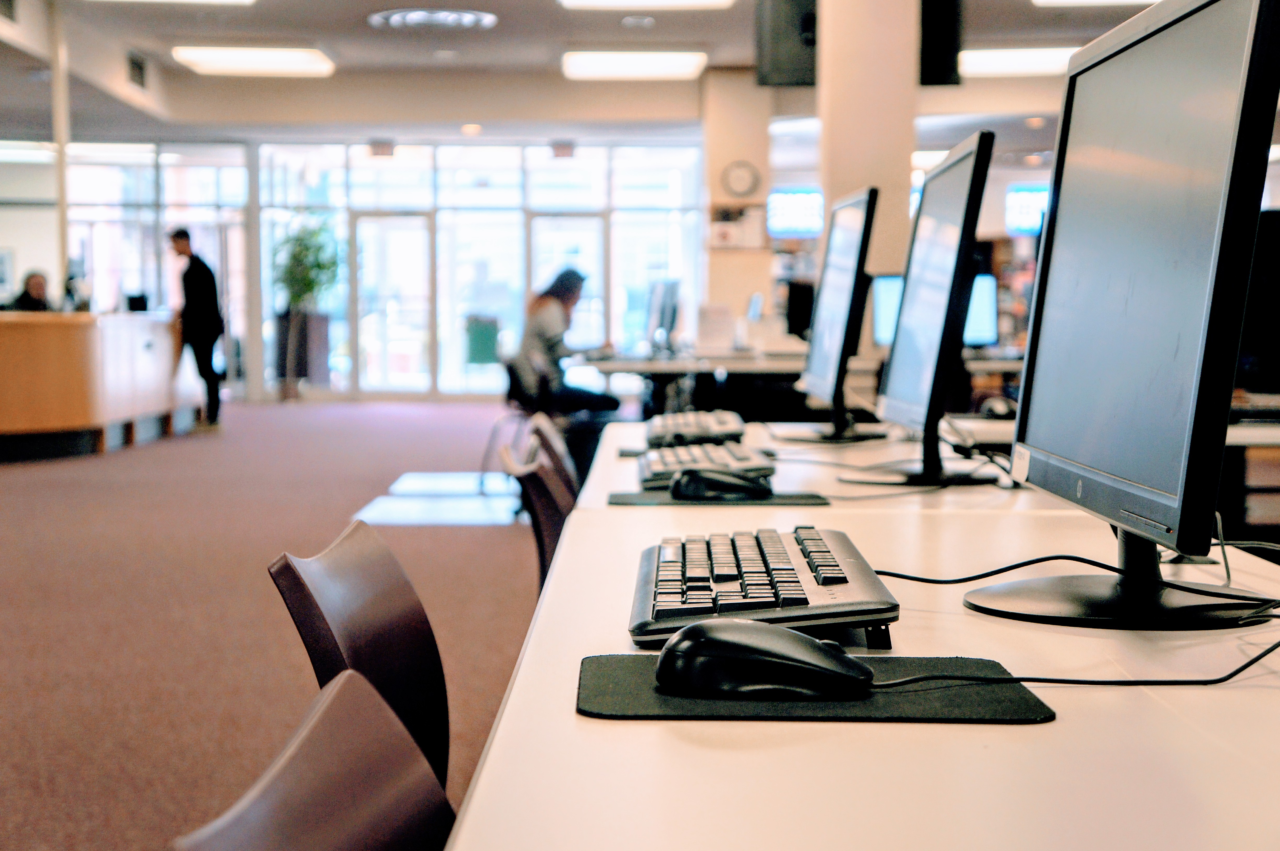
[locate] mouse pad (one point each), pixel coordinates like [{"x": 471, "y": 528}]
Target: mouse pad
[
  {"x": 665, "y": 498},
  {"x": 623, "y": 687}
]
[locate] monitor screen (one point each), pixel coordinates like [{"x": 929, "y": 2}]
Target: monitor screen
[
  {"x": 794, "y": 214},
  {"x": 981, "y": 328},
  {"x": 927, "y": 291},
  {"x": 1125, "y": 297},
  {"x": 834, "y": 334}
]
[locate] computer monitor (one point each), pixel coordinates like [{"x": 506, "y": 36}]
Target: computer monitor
[
  {"x": 1139, "y": 303},
  {"x": 935, "y": 302},
  {"x": 664, "y": 309},
  {"x": 981, "y": 325},
  {"x": 839, "y": 305}
]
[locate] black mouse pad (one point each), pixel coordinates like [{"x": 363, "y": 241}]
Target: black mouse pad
[
  {"x": 665, "y": 498},
  {"x": 623, "y": 687}
]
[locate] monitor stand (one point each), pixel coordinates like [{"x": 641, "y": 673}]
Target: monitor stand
[
  {"x": 844, "y": 429},
  {"x": 931, "y": 473},
  {"x": 1134, "y": 599}
]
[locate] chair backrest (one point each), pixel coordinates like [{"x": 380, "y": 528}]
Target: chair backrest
[
  {"x": 552, "y": 442},
  {"x": 546, "y": 496},
  {"x": 355, "y": 608},
  {"x": 350, "y": 778}
]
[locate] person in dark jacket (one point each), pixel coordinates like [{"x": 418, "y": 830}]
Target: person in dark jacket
[
  {"x": 34, "y": 290},
  {"x": 201, "y": 317}
]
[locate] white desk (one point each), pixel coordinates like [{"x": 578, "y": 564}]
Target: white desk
[
  {"x": 1172, "y": 768},
  {"x": 800, "y": 471}
]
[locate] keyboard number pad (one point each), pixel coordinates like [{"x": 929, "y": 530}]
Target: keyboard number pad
[{"x": 826, "y": 569}]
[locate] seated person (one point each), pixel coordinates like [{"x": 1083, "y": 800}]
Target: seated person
[
  {"x": 543, "y": 346},
  {"x": 34, "y": 288}
]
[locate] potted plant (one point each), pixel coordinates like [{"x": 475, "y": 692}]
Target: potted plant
[{"x": 307, "y": 265}]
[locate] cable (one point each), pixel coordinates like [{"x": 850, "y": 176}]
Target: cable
[
  {"x": 943, "y": 484},
  {"x": 1268, "y": 603},
  {"x": 1064, "y": 681},
  {"x": 1261, "y": 545},
  {"x": 882, "y": 465},
  {"x": 1226, "y": 565},
  {"x": 912, "y": 492}
]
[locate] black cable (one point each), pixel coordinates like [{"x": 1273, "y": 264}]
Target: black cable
[
  {"x": 882, "y": 465},
  {"x": 942, "y": 484},
  {"x": 1261, "y": 545},
  {"x": 1226, "y": 565},
  {"x": 912, "y": 492},
  {"x": 928, "y": 580},
  {"x": 1065, "y": 681}
]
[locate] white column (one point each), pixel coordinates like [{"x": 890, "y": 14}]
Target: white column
[
  {"x": 61, "y": 129},
  {"x": 867, "y": 81},
  {"x": 253, "y": 363},
  {"x": 735, "y": 129}
]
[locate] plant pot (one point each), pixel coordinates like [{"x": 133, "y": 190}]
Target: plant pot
[{"x": 312, "y": 359}]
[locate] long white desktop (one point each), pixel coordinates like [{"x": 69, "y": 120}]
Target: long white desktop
[{"x": 1131, "y": 768}]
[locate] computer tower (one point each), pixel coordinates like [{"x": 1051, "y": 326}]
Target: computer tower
[
  {"x": 941, "y": 36},
  {"x": 786, "y": 41}
]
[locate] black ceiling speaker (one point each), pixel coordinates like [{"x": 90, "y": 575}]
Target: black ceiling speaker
[
  {"x": 941, "y": 31},
  {"x": 786, "y": 42}
]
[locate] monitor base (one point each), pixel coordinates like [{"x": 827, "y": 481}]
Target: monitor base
[
  {"x": 1100, "y": 602},
  {"x": 946, "y": 479}
]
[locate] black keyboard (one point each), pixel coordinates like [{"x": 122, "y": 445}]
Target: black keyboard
[
  {"x": 808, "y": 578},
  {"x": 659, "y": 466},
  {"x": 694, "y": 427}
]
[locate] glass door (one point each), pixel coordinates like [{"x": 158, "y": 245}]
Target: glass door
[
  {"x": 393, "y": 302},
  {"x": 573, "y": 242}
]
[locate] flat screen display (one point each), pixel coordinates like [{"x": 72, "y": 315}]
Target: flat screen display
[
  {"x": 931, "y": 272},
  {"x": 835, "y": 300},
  {"x": 981, "y": 327},
  {"x": 794, "y": 214},
  {"x": 1125, "y": 297}
]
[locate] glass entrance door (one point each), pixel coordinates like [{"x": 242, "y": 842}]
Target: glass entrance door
[
  {"x": 573, "y": 242},
  {"x": 394, "y": 297}
]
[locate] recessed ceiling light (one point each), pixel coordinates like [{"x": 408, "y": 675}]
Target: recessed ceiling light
[
  {"x": 471, "y": 129},
  {"x": 632, "y": 65},
  {"x": 189, "y": 2},
  {"x": 1093, "y": 2},
  {"x": 444, "y": 19},
  {"x": 1035, "y": 122},
  {"x": 1022, "y": 62},
  {"x": 638, "y": 22},
  {"x": 255, "y": 61},
  {"x": 444, "y": 55},
  {"x": 648, "y": 5}
]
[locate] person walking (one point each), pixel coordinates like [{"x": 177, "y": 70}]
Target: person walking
[{"x": 201, "y": 318}]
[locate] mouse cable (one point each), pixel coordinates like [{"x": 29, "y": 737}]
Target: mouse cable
[
  {"x": 1226, "y": 565},
  {"x": 1267, "y": 603},
  {"x": 1065, "y": 681},
  {"x": 943, "y": 484}
]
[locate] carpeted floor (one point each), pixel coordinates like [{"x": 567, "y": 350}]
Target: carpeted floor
[{"x": 149, "y": 670}]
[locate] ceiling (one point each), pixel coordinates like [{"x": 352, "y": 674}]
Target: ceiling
[{"x": 529, "y": 33}]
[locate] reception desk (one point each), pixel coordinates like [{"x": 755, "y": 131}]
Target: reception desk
[{"x": 92, "y": 382}]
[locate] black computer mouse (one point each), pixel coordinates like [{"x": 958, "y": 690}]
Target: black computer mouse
[
  {"x": 736, "y": 658},
  {"x": 718, "y": 485}
]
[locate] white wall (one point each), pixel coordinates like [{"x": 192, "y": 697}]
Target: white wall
[{"x": 31, "y": 233}]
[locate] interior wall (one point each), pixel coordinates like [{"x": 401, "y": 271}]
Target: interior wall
[{"x": 31, "y": 234}]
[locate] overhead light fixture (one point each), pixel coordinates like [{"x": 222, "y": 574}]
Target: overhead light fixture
[
  {"x": 632, "y": 65},
  {"x": 471, "y": 129},
  {"x": 1093, "y": 2},
  {"x": 441, "y": 19},
  {"x": 638, "y": 22},
  {"x": 255, "y": 61},
  {"x": 1020, "y": 62},
  {"x": 1035, "y": 122},
  {"x": 188, "y": 2},
  {"x": 648, "y": 5},
  {"x": 1274, "y": 155}
]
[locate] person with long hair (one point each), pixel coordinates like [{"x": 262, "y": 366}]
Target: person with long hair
[{"x": 543, "y": 347}]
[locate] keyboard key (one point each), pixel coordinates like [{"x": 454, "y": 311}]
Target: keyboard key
[
  {"x": 666, "y": 611},
  {"x": 745, "y": 605}
]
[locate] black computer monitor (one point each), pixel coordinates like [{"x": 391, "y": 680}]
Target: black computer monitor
[
  {"x": 1135, "y": 324},
  {"x": 839, "y": 306},
  {"x": 664, "y": 309},
  {"x": 938, "y": 283}
]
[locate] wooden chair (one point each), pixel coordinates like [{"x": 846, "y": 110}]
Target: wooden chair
[
  {"x": 552, "y": 442},
  {"x": 350, "y": 779},
  {"x": 354, "y": 608},
  {"x": 547, "y": 498}
]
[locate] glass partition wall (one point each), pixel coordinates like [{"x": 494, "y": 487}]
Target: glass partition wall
[
  {"x": 438, "y": 247},
  {"x": 441, "y": 247}
]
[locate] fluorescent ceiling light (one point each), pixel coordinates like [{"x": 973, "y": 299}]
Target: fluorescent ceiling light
[
  {"x": 1274, "y": 156},
  {"x": 1023, "y": 62},
  {"x": 1093, "y": 2},
  {"x": 189, "y": 2},
  {"x": 647, "y": 5},
  {"x": 255, "y": 61},
  {"x": 632, "y": 65}
]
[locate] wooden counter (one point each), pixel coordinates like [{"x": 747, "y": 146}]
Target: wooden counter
[{"x": 118, "y": 377}]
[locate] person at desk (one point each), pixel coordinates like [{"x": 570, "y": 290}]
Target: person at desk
[
  {"x": 201, "y": 317},
  {"x": 543, "y": 346},
  {"x": 34, "y": 289}
]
